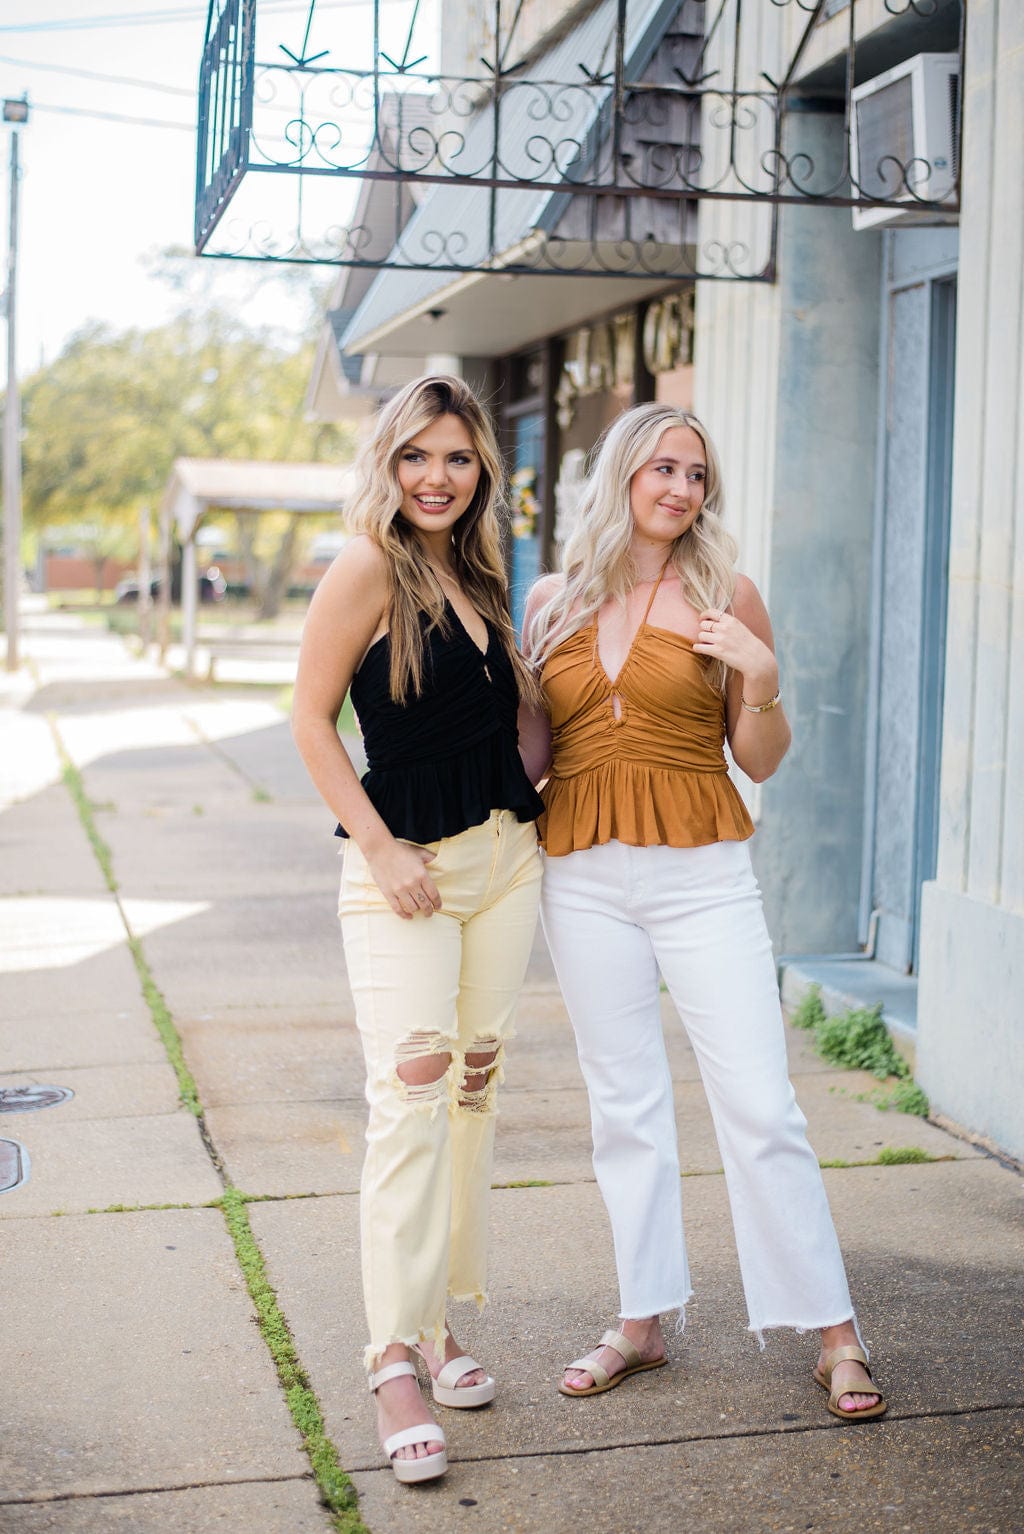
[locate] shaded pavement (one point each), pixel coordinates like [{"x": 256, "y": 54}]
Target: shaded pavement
[{"x": 137, "y": 1392}]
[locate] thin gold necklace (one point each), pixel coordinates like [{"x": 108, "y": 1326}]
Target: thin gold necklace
[{"x": 649, "y": 580}]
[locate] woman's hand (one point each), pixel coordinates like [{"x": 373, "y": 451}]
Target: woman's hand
[
  {"x": 724, "y": 637},
  {"x": 742, "y": 639},
  {"x": 399, "y": 871}
]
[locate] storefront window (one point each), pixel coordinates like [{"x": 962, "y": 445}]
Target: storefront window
[{"x": 527, "y": 432}]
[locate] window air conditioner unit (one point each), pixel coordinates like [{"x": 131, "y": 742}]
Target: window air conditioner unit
[{"x": 903, "y": 135}]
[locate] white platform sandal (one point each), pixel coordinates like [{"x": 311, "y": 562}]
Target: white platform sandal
[
  {"x": 410, "y": 1470},
  {"x": 445, "y": 1393}
]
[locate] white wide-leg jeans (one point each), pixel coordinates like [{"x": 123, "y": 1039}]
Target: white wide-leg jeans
[{"x": 614, "y": 916}]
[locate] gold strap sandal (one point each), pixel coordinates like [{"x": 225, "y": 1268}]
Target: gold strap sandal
[
  {"x": 602, "y": 1379},
  {"x": 824, "y": 1379}
]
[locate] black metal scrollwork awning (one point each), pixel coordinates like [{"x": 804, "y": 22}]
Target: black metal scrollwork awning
[{"x": 584, "y": 150}]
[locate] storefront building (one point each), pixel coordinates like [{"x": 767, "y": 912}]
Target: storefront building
[{"x": 860, "y": 372}]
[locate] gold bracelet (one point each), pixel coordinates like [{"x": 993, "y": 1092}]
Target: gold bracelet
[{"x": 761, "y": 708}]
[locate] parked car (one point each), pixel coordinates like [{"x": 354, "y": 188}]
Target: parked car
[{"x": 212, "y": 587}]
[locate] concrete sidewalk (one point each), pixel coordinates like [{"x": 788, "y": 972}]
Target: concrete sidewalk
[{"x": 137, "y": 1392}]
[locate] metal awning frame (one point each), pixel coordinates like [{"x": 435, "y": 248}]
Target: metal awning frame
[{"x": 594, "y": 164}]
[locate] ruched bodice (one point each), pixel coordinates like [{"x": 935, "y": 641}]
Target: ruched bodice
[
  {"x": 654, "y": 775},
  {"x": 441, "y": 762}
]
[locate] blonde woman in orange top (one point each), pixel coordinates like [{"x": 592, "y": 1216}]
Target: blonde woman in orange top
[{"x": 652, "y": 652}]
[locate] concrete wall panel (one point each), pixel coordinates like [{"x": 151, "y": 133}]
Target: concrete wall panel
[
  {"x": 900, "y": 619},
  {"x": 787, "y": 378},
  {"x": 965, "y": 523},
  {"x": 809, "y": 843},
  {"x": 970, "y": 1053},
  {"x": 1002, "y": 380},
  {"x": 971, "y": 1017}
]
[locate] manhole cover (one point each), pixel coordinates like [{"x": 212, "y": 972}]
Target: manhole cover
[
  {"x": 25, "y": 1099},
  {"x": 14, "y": 1165}
]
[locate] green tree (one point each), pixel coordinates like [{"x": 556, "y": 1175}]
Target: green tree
[{"x": 105, "y": 421}]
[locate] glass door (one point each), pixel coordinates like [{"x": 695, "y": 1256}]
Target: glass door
[{"x": 527, "y": 453}]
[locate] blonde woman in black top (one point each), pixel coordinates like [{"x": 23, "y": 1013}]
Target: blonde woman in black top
[{"x": 441, "y": 879}]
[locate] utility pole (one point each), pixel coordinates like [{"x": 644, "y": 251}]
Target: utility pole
[
  {"x": 145, "y": 576},
  {"x": 14, "y": 112}
]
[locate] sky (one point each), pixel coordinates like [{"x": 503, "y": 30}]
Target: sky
[{"x": 108, "y": 159}]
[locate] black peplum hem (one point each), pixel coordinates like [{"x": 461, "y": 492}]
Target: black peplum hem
[{"x": 425, "y": 801}]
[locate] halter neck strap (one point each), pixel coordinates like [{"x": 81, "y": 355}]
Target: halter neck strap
[{"x": 655, "y": 588}]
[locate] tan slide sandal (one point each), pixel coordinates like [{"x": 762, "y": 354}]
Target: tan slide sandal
[
  {"x": 602, "y": 1379},
  {"x": 824, "y": 1378}
]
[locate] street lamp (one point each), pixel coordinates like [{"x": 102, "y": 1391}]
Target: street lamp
[{"x": 15, "y": 112}]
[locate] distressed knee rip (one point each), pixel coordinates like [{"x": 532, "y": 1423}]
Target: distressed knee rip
[
  {"x": 482, "y": 1073},
  {"x": 422, "y": 1063}
]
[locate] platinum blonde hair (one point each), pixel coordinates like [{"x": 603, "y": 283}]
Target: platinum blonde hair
[
  {"x": 476, "y": 537},
  {"x": 597, "y": 562}
]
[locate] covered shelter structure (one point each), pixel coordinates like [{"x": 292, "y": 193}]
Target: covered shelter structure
[{"x": 198, "y": 487}]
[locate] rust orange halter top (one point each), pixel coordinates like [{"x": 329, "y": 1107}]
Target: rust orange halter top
[{"x": 651, "y": 772}]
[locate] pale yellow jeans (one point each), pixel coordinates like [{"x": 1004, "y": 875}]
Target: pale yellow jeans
[{"x": 444, "y": 984}]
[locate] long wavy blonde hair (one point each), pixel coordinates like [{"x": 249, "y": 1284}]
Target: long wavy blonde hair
[
  {"x": 476, "y": 537},
  {"x": 597, "y": 562}
]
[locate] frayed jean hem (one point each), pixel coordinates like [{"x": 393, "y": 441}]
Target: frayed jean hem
[{"x": 802, "y": 1327}]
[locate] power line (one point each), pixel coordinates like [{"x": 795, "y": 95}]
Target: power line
[
  {"x": 166, "y": 17},
  {"x": 153, "y": 85},
  {"x": 91, "y": 74},
  {"x": 114, "y": 117},
  {"x": 162, "y": 122},
  {"x": 88, "y": 23}
]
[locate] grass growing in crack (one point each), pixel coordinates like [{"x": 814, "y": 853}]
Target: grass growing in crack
[
  {"x": 76, "y": 788},
  {"x": 146, "y": 1208},
  {"x": 158, "y": 1010},
  {"x": 164, "y": 1025},
  {"x": 902, "y": 1155},
  {"x": 272, "y": 1198},
  {"x": 889, "y": 1155},
  {"x": 335, "y": 1486},
  {"x": 859, "y": 1040}
]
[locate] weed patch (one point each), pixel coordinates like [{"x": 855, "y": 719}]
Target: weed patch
[
  {"x": 811, "y": 1010},
  {"x": 905, "y": 1097},
  {"x": 859, "y": 1040}
]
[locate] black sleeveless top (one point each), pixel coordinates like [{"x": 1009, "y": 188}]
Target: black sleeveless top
[{"x": 441, "y": 762}]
